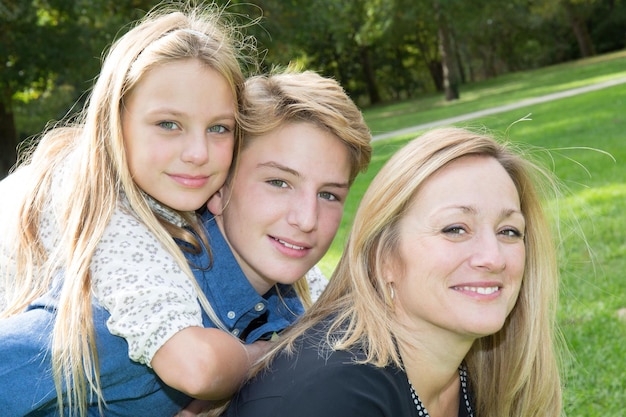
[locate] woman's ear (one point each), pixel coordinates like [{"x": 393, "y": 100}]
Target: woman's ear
[
  {"x": 216, "y": 202},
  {"x": 388, "y": 270}
]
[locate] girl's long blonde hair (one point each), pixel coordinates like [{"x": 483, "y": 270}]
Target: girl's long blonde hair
[
  {"x": 515, "y": 372},
  {"x": 87, "y": 159}
]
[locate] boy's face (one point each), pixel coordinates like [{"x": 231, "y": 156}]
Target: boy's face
[{"x": 284, "y": 206}]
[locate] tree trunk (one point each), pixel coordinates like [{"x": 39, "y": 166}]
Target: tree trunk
[
  {"x": 436, "y": 73},
  {"x": 450, "y": 67},
  {"x": 8, "y": 139},
  {"x": 433, "y": 63},
  {"x": 368, "y": 73},
  {"x": 579, "y": 26}
]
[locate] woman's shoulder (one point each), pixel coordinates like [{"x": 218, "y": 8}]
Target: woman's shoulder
[
  {"x": 314, "y": 379},
  {"x": 315, "y": 359}
]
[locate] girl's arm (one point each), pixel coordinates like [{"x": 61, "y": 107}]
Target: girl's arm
[{"x": 206, "y": 363}]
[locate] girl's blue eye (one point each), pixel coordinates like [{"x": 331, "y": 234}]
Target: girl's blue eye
[
  {"x": 168, "y": 125},
  {"x": 277, "y": 183},
  {"x": 218, "y": 129}
]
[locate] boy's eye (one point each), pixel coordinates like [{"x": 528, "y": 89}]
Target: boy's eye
[
  {"x": 328, "y": 196},
  {"x": 218, "y": 129}
]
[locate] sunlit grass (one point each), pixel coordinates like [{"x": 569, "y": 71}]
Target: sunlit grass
[{"x": 506, "y": 89}]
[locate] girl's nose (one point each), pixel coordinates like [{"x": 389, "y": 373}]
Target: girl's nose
[{"x": 196, "y": 149}]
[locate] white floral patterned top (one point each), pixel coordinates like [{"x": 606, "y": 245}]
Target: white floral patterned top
[
  {"x": 137, "y": 280},
  {"x": 317, "y": 282}
]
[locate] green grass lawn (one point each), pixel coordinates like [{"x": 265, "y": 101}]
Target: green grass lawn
[{"x": 583, "y": 139}]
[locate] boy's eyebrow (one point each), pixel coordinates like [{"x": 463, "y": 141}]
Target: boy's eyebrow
[{"x": 276, "y": 165}]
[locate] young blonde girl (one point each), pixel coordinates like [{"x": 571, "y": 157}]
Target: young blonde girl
[{"x": 87, "y": 231}]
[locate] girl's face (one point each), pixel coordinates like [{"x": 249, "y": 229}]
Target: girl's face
[
  {"x": 462, "y": 250},
  {"x": 284, "y": 205},
  {"x": 178, "y": 124}
]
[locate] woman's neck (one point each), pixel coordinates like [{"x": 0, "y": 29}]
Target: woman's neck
[{"x": 432, "y": 366}]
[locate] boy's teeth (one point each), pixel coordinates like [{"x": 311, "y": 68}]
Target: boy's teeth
[{"x": 289, "y": 245}]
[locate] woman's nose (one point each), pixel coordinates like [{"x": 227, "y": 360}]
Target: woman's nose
[{"x": 487, "y": 253}]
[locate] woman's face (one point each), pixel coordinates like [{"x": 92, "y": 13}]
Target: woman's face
[
  {"x": 461, "y": 251},
  {"x": 178, "y": 125}
]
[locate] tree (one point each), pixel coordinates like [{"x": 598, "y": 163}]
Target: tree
[
  {"x": 448, "y": 55},
  {"x": 579, "y": 26},
  {"x": 576, "y": 13},
  {"x": 25, "y": 65},
  {"x": 334, "y": 37},
  {"x": 47, "y": 43}
]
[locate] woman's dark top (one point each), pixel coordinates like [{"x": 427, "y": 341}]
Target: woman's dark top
[{"x": 315, "y": 381}]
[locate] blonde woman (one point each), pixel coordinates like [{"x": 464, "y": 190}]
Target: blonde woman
[
  {"x": 443, "y": 303},
  {"x": 100, "y": 310}
]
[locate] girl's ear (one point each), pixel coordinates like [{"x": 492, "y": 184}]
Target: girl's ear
[{"x": 216, "y": 202}]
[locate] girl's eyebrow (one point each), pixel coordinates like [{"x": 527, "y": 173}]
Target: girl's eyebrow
[{"x": 178, "y": 113}]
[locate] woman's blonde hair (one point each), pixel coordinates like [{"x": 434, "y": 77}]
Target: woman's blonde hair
[
  {"x": 87, "y": 158},
  {"x": 272, "y": 101},
  {"x": 513, "y": 372}
]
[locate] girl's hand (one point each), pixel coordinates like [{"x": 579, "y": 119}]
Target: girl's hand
[{"x": 257, "y": 349}]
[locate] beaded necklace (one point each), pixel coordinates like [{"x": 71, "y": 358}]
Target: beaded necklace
[{"x": 421, "y": 410}]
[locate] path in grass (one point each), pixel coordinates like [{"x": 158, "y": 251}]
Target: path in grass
[{"x": 501, "y": 109}]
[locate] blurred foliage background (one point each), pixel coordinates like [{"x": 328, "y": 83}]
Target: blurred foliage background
[{"x": 381, "y": 51}]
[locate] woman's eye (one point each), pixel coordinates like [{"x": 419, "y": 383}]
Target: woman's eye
[
  {"x": 168, "y": 125},
  {"x": 218, "y": 129},
  {"x": 511, "y": 233},
  {"x": 328, "y": 196},
  {"x": 277, "y": 183},
  {"x": 454, "y": 230}
]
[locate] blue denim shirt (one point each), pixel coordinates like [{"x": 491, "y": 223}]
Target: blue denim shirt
[
  {"x": 130, "y": 388},
  {"x": 27, "y": 386},
  {"x": 232, "y": 296}
]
